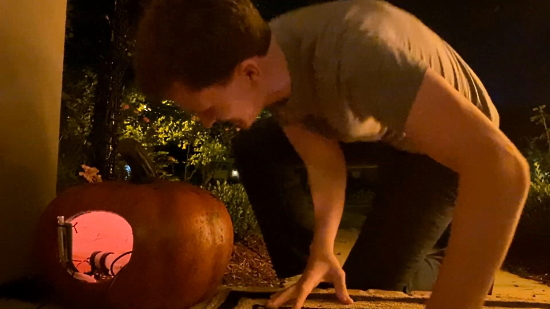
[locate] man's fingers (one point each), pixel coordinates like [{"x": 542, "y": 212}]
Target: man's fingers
[
  {"x": 278, "y": 299},
  {"x": 308, "y": 282},
  {"x": 341, "y": 289},
  {"x": 302, "y": 295}
]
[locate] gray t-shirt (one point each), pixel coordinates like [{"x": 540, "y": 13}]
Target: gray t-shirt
[{"x": 356, "y": 67}]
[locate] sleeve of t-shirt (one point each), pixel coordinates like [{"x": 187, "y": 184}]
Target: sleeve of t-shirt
[{"x": 380, "y": 79}]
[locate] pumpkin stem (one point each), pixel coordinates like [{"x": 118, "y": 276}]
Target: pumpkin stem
[{"x": 135, "y": 155}]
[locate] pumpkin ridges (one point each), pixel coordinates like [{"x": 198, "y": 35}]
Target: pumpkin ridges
[
  {"x": 169, "y": 200},
  {"x": 200, "y": 242},
  {"x": 222, "y": 258},
  {"x": 183, "y": 239}
]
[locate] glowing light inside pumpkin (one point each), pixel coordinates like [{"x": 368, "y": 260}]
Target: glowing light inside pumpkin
[{"x": 100, "y": 231}]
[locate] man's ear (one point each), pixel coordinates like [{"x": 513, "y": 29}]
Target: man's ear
[{"x": 250, "y": 69}]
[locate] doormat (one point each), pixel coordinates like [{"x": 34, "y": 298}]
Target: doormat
[{"x": 372, "y": 299}]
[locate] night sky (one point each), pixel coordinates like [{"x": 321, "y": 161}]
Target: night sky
[{"x": 507, "y": 43}]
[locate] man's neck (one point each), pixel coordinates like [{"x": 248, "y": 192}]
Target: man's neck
[{"x": 275, "y": 67}]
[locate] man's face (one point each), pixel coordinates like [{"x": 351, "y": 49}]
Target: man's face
[{"x": 239, "y": 102}]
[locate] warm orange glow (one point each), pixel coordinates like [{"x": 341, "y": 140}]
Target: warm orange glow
[{"x": 101, "y": 231}]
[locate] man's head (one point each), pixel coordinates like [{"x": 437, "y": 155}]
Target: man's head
[{"x": 206, "y": 56}]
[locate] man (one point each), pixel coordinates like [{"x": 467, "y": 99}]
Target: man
[{"x": 357, "y": 74}]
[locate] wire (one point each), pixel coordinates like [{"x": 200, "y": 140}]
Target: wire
[
  {"x": 82, "y": 261},
  {"x": 118, "y": 258}
]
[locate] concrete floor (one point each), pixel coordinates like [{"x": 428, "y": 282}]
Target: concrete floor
[{"x": 507, "y": 286}]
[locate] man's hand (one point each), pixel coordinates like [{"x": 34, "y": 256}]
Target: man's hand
[
  {"x": 326, "y": 168},
  {"x": 322, "y": 267}
]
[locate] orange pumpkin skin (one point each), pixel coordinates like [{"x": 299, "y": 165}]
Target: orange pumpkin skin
[{"x": 183, "y": 240}]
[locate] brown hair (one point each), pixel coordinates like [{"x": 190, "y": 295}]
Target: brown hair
[{"x": 196, "y": 42}]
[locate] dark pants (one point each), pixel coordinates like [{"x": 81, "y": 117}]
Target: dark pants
[{"x": 412, "y": 207}]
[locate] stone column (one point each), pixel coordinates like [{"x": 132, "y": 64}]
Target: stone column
[{"x": 31, "y": 62}]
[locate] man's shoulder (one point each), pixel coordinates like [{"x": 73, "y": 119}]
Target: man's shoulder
[
  {"x": 309, "y": 17},
  {"x": 335, "y": 9},
  {"x": 341, "y": 20}
]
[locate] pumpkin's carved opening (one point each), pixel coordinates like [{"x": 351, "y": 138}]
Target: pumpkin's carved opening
[{"x": 102, "y": 245}]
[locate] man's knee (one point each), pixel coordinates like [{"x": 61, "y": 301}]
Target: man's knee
[
  {"x": 264, "y": 142},
  {"x": 427, "y": 272},
  {"x": 244, "y": 141},
  {"x": 256, "y": 138}
]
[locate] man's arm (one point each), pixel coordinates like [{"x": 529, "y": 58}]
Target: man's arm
[
  {"x": 327, "y": 179},
  {"x": 326, "y": 170},
  {"x": 493, "y": 186}
]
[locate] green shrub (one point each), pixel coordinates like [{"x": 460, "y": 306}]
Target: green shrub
[
  {"x": 530, "y": 251},
  {"x": 534, "y": 226},
  {"x": 236, "y": 200},
  {"x": 75, "y": 123}
]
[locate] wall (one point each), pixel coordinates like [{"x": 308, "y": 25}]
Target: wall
[{"x": 31, "y": 61}]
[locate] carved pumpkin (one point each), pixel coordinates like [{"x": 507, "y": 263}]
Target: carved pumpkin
[{"x": 183, "y": 240}]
